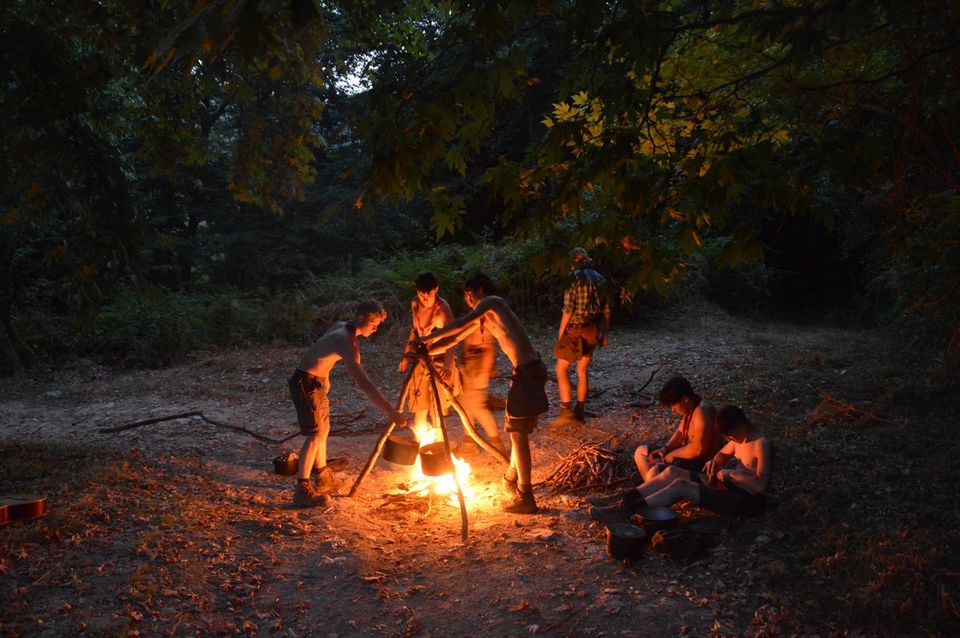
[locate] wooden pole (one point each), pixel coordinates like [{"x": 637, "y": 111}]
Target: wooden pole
[
  {"x": 378, "y": 448},
  {"x": 446, "y": 443},
  {"x": 469, "y": 429}
]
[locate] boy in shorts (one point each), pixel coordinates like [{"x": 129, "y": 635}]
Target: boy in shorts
[
  {"x": 526, "y": 399},
  {"x": 308, "y": 390}
]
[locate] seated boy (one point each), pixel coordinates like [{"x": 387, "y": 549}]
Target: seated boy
[
  {"x": 695, "y": 440},
  {"x": 738, "y": 491}
]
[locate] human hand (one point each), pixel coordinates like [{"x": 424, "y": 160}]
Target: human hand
[
  {"x": 656, "y": 456},
  {"x": 399, "y": 420},
  {"x": 403, "y": 365}
]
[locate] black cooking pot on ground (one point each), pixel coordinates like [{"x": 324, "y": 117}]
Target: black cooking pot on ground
[
  {"x": 400, "y": 450},
  {"x": 285, "y": 464},
  {"x": 625, "y": 541},
  {"x": 654, "y": 519}
]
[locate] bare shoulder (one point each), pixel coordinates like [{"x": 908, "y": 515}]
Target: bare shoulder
[{"x": 445, "y": 307}]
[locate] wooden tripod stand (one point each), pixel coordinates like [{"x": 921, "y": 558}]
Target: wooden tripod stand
[{"x": 436, "y": 387}]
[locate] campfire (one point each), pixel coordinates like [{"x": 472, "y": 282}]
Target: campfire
[{"x": 443, "y": 485}]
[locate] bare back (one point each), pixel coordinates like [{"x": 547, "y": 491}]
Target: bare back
[
  {"x": 506, "y": 328},
  {"x": 337, "y": 343}
]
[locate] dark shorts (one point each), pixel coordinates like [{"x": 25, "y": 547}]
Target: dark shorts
[
  {"x": 729, "y": 499},
  {"x": 309, "y": 394},
  {"x": 691, "y": 465},
  {"x": 526, "y": 398},
  {"x": 577, "y": 341}
]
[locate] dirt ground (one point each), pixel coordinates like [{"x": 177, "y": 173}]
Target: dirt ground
[{"x": 181, "y": 528}]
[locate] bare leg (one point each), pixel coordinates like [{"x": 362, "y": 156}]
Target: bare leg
[
  {"x": 583, "y": 379},
  {"x": 520, "y": 460},
  {"x": 662, "y": 480},
  {"x": 313, "y": 451},
  {"x": 677, "y": 490},
  {"x": 563, "y": 380},
  {"x": 643, "y": 463}
]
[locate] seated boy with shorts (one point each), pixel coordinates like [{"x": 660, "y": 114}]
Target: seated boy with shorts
[{"x": 737, "y": 491}]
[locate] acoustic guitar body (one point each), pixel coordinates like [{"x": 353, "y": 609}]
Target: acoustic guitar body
[{"x": 21, "y": 507}]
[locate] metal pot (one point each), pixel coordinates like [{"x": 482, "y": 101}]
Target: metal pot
[
  {"x": 400, "y": 450},
  {"x": 625, "y": 541},
  {"x": 434, "y": 460},
  {"x": 654, "y": 519},
  {"x": 285, "y": 464}
]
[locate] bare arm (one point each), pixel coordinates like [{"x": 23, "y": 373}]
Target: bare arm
[
  {"x": 564, "y": 320},
  {"x": 697, "y": 440},
  {"x": 450, "y": 354},
  {"x": 759, "y": 482},
  {"x": 359, "y": 375},
  {"x": 713, "y": 466},
  {"x": 458, "y": 326}
]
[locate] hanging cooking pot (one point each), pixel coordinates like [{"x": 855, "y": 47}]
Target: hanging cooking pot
[
  {"x": 434, "y": 460},
  {"x": 400, "y": 450},
  {"x": 625, "y": 541},
  {"x": 654, "y": 519}
]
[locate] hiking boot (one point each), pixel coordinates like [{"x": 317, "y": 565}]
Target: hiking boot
[
  {"x": 619, "y": 512},
  {"x": 522, "y": 503},
  {"x": 305, "y": 495},
  {"x": 508, "y": 486},
  {"x": 327, "y": 481},
  {"x": 578, "y": 416},
  {"x": 565, "y": 417}
]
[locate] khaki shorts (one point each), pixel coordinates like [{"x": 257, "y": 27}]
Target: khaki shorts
[
  {"x": 577, "y": 341},
  {"x": 309, "y": 395}
]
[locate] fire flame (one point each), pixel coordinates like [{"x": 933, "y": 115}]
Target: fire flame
[{"x": 441, "y": 485}]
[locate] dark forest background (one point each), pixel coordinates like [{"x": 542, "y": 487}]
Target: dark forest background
[{"x": 185, "y": 175}]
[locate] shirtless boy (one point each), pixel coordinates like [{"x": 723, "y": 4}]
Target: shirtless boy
[
  {"x": 429, "y": 312},
  {"x": 737, "y": 491},
  {"x": 695, "y": 440},
  {"x": 308, "y": 389},
  {"x": 526, "y": 399}
]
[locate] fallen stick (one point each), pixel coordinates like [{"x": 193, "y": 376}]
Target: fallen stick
[{"x": 184, "y": 415}]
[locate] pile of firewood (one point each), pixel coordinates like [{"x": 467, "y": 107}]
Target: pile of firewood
[{"x": 590, "y": 465}]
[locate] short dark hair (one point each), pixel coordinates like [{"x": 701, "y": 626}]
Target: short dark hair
[
  {"x": 674, "y": 390},
  {"x": 369, "y": 307},
  {"x": 480, "y": 282},
  {"x": 426, "y": 281},
  {"x": 729, "y": 418}
]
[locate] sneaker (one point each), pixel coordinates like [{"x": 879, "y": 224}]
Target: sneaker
[
  {"x": 508, "y": 486},
  {"x": 619, "y": 512},
  {"x": 522, "y": 503},
  {"x": 327, "y": 481},
  {"x": 305, "y": 495},
  {"x": 565, "y": 417}
]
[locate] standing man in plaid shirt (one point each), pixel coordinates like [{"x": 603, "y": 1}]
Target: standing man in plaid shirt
[{"x": 584, "y": 325}]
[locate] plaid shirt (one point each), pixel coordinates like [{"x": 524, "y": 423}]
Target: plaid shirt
[{"x": 584, "y": 298}]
